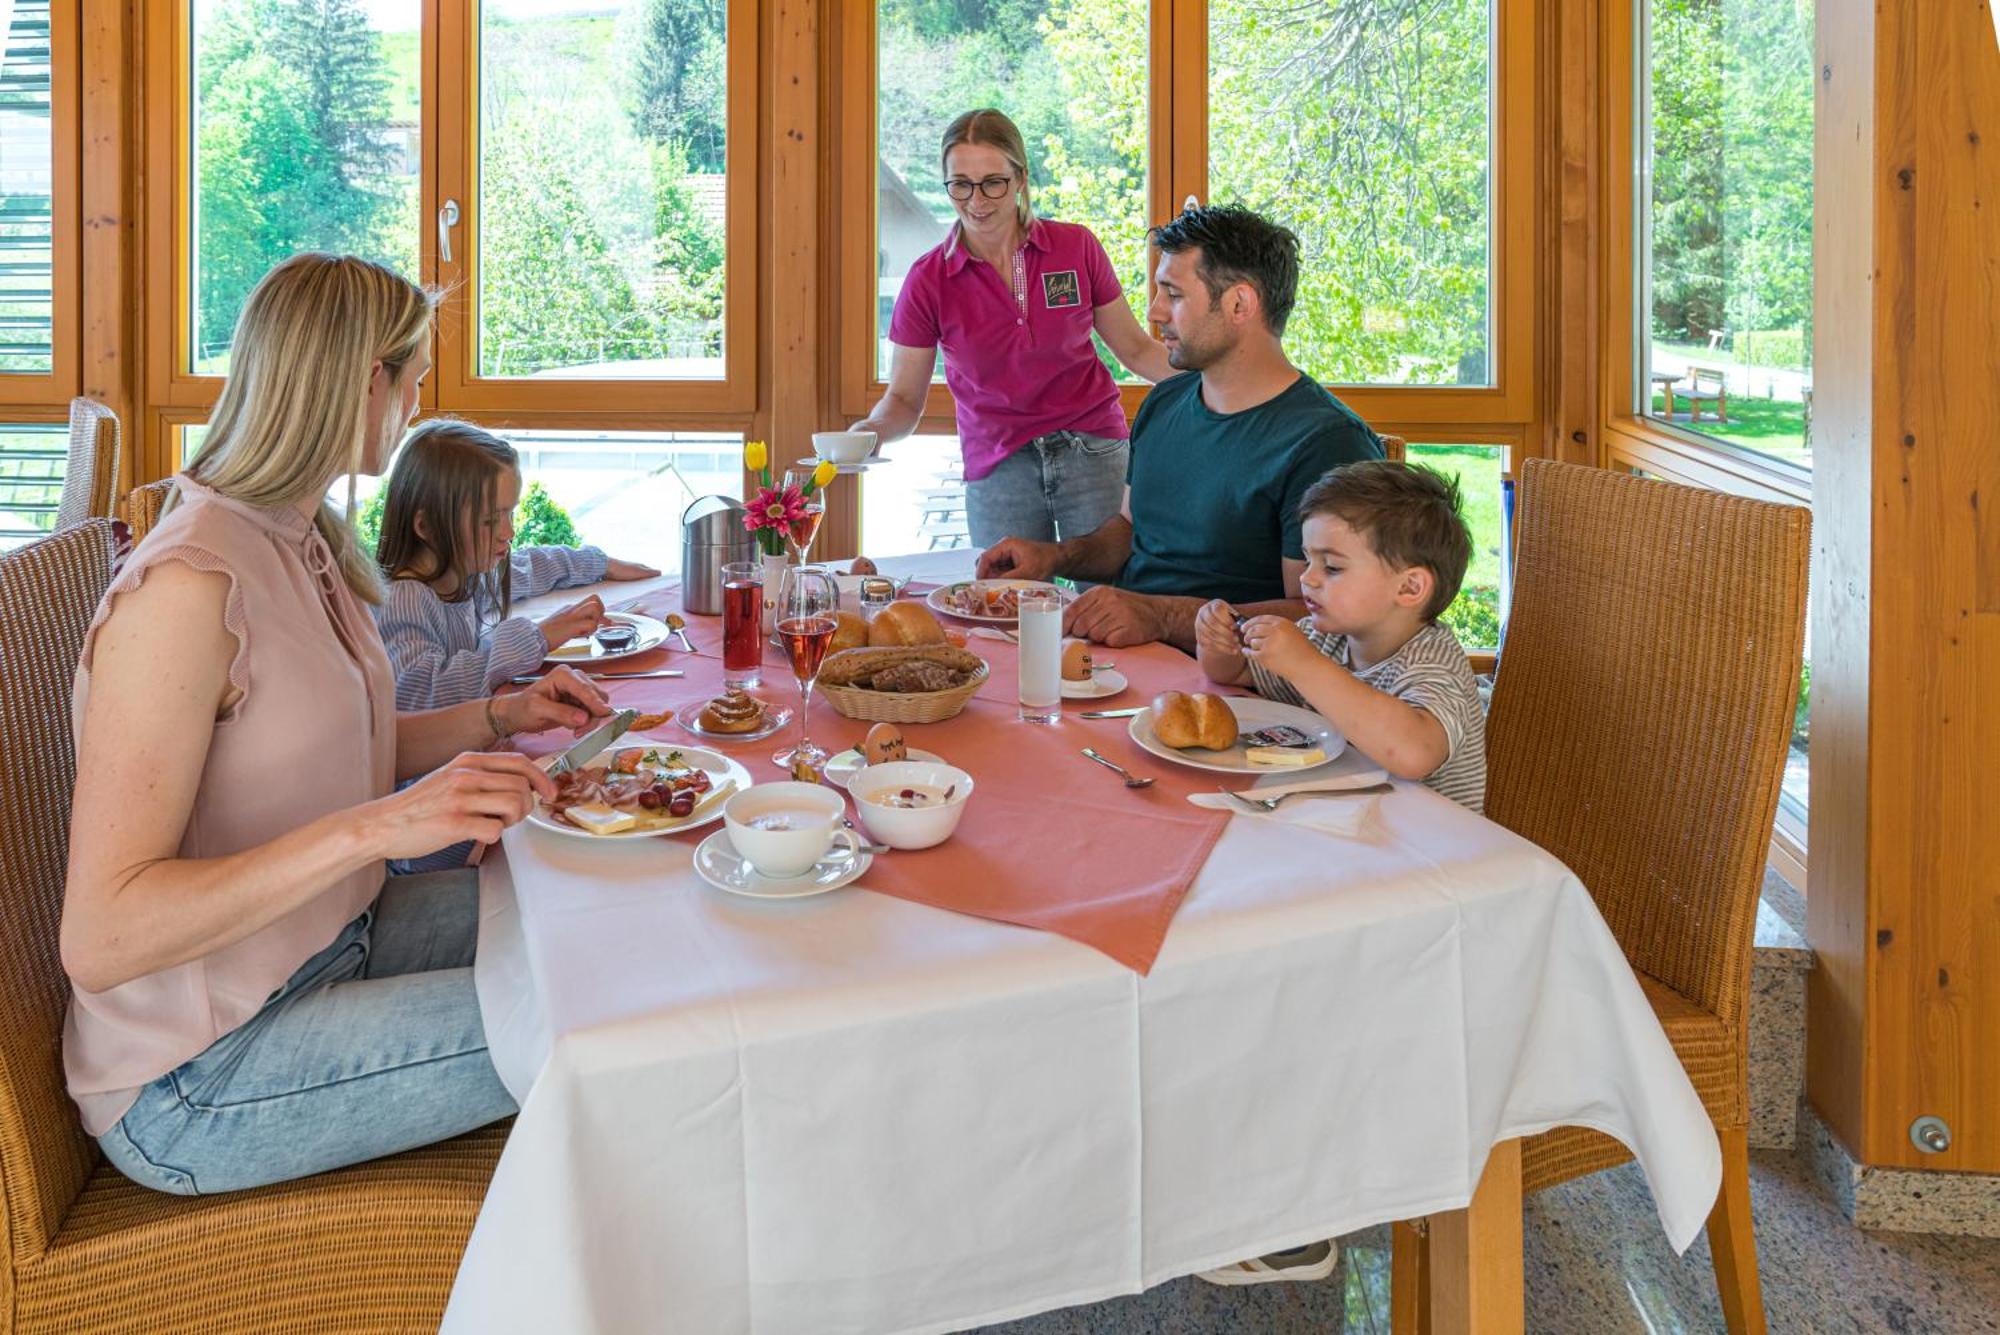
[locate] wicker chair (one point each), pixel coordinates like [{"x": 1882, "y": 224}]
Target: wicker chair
[
  {"x": 1638, "y": 732},
  {"x": 1394, "y": 448},
  {"x": 90, "y": 480},
  {"x": 141, "y": 507},
  {"x": 369, "y": 1248}
]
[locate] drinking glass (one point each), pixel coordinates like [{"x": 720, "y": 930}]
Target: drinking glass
[
  {"x": 808, "y": 614},
  {"x": 807, "y": 527},
  {"x": 1040, "y": 654},
  {"x": 742, "y": 644}
]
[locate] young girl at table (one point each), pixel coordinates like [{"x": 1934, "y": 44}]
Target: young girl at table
[
  {"x": 447, "y": 534},
  {"x": 1386, "y": 549}
]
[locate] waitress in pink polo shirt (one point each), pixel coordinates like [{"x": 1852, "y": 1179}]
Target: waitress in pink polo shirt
[{"x": 1013, "y": 300}]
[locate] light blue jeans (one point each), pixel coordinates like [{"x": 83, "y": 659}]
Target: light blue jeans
[
  {"x": 374, "y": 1046},
  {"x": 1062, "y": 485}
]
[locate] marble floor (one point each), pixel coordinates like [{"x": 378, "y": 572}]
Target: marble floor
[{"x": 1598, "y": 1265}]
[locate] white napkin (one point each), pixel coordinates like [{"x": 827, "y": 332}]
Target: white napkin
[{"x": 1333, "y": 815}]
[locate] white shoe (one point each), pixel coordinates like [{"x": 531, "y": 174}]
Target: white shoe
[{"x": 1301, "y": 1265}]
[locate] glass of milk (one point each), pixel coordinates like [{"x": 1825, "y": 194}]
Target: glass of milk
[{"x": 1040, "y": 630}]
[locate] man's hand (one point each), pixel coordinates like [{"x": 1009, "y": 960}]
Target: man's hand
[
  {"x": 1019, "y": 558},
  {"x": 1114, "y": 617},
  {"x": 1279, "y": 646}
]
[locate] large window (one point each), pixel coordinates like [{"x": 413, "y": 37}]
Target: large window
[
  {"x": 1478, "y": 612},
  {"x": 1071, "y": 73},
  {"x": 306, "y": 136},
  {"x": 27, "y": 167},
  {"x": 603, "y": 134},
  {"x": 1365, "y": 127},
  {"x": 1725, "y": 256},
  {"x": 32, "y": 458}
]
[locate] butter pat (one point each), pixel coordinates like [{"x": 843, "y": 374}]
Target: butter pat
[
  {"x": 1292, "y": 757},
  {"x": 598, "y": 818}
]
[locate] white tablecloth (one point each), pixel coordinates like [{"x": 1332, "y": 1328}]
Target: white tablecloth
[{"x": 854, "y": 1113}]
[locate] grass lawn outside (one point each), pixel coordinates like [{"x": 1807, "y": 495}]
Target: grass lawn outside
[
  {"x": 1475, "y": 615},
  {"x": 1769, "y": 426}
]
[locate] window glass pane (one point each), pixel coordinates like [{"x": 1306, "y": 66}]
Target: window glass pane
[
  {"x": 32, "y": 460},
  {"x": 1479, "y": 611},
  {"x": 1725, "y": 261},
  {"x": 26, "y": 184},
  {"x": 1796, "y": 788},
  {"x": 1365, "y": 128},
  {"x": 306, "y": 137},
  {"x": 915, "y": 500},
  {"x": 602, "y": 213},
  {"x": 1071, "y": 73}
]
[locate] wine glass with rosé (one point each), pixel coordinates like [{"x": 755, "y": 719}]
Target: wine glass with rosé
[
  {"x": 805, "y": 528},
  {"x": 808, "y": 614}
]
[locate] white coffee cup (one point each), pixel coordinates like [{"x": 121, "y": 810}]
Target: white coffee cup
[
  {"x": 844, "y": 447},
  {"x": 810, "y": 818}
]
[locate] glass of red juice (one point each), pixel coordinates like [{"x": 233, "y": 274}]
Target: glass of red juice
[{"x": 742, "y": 609}]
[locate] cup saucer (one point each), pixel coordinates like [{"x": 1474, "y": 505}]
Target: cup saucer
[{"x": 717, "y": 862}]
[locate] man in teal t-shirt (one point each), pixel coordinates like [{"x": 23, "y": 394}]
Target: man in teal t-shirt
[{"x": 1220, "y": 456}]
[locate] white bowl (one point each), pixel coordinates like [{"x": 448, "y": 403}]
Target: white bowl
[
  {"x": 844, "y": 447},
  {"x": 910, "y": 827},
  {"x": 791, "y": 851}
]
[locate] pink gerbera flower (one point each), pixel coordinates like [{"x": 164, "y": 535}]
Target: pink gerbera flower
[{"x": 774, "y": 507}]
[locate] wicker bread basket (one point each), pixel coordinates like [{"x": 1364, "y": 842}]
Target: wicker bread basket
[{"x": 857, "y": 702}]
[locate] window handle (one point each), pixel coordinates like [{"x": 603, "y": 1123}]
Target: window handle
[{"x": 447, "y": 219}]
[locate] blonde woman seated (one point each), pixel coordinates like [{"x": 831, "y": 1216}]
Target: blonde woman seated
[{"x": 252, "y": 1001}]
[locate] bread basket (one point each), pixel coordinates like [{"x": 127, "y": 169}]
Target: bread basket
[{"x": 858, "y": 702}]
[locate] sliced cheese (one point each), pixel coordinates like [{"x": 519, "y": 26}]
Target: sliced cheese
[
  {"x": 1284, "y": 756},
  {"x": 598, "y": 818}
]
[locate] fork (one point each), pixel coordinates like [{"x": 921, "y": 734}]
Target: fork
[
  {"x": 1268, "y": 804},
  {"x": 1131, "y": 780}
]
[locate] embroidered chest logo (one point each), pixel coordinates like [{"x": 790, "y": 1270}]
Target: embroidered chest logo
[{"x": 1060, "y": 290}]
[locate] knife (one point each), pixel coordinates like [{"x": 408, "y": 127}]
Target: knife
[
  {"x": 1113, "y": 713},
  {"x": 594, "y": 742},
  {"x": 530, "y": 678}
]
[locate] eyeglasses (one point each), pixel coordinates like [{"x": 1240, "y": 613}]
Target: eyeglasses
[{"x": 993, "y": 187}]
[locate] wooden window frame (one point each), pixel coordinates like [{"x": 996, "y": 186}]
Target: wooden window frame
[
  {"x": 177, "y": 396},
  {"x": 1631, "y": 439},
  {"x": 59, "y": 384},
  {"x": 1506, "y": 410}
]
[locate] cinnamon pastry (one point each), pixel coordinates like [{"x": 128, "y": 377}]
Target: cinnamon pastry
[{"x": 732, "y": 712}]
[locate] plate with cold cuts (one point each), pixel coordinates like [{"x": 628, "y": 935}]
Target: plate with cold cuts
[
  {"x": 992, "y": 602},
  {"x": 635, "y": 792},
  {"x": 1251, "y": 713}
]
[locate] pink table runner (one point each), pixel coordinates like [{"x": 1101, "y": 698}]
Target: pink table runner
[{"x": 1050, "y": 839}]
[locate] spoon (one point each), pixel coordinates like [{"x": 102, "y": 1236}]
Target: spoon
[
  {"x": 865, "y": 847},
  {"x": 679, "y": 628},
  {"x": 1131, "y": 780}
]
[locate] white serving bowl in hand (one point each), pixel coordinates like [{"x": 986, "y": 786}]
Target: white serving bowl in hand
[
  {"x": 844, "y": 447},
  {"x": 910, "y": 827}
]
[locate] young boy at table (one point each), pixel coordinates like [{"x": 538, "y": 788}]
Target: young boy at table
[{"x": 1386, "y": 548}]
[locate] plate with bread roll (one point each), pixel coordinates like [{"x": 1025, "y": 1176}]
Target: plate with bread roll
[{"x": 1239, "y": 735}]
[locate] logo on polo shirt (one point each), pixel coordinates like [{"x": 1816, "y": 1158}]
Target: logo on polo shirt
[{"x": 1060, "y": 289}]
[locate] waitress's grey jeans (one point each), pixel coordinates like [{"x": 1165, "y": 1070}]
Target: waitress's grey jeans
[{"x": 1062, "y": 485}]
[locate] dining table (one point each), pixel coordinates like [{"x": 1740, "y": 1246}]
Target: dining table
[{"x": 912, "y": 1104}]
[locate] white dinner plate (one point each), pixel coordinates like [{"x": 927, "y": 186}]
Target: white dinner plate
[
  {"x": 721, "y": 769},
  {"x": 775, "y": 717},
  {"x": 846, "y": 764},
  {"x": 584, "y": 649},
  {"x": 1110, "y": 681},
  {"x": 940, "y": 598},
  {"x": 717, "y": 862},
  {"x": 1251, "y": 713}
]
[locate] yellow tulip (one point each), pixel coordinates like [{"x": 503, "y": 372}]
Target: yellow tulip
[
  {"x": 755, "y": 456},
  {"x": 824, "y": 474}
]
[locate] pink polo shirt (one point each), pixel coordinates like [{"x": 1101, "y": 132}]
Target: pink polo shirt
[{"x": 1019, "y": 366}]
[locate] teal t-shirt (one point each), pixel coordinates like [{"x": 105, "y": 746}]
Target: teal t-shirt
[{"x": 1215, "y": 496}]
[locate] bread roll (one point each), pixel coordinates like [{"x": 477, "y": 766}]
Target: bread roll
[
  {"x": 852, "y": 634},
  {"x": 901, "y": 624},
  {"x": 1076, "y": 660},
  {"x": 859, "y": 666},
  {"x": 862, "y": 566},
  {"x": 1200, "y": 720}
]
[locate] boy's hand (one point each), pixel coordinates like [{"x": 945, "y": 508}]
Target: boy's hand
[
  {"x": 1216, "y": 643},
  {"x": 579, "y": 618},
  {"x": 617, "y": 569},
  {"x": 1278, "y": 645}
]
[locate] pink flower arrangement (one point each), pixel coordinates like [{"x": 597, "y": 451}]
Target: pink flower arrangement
[{"x": 771, "y": 514}]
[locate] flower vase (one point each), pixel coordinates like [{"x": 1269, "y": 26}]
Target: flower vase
[{"x": 774, "y": 576}]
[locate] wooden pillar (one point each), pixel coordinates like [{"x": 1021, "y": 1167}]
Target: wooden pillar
[
  {"x": 1905, "y": 901},
  {"x": 1573, "y": 219}
]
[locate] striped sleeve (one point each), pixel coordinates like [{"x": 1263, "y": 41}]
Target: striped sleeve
[
  {"x": 536, "y": 570},
  {"x": 437, "y": 652}
]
